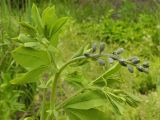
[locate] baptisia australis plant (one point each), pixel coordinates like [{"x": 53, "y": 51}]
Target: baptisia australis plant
[{"x": 36, "y": 50}]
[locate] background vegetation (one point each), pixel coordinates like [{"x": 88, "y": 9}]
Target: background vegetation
[{"x": 131, "y": 24}]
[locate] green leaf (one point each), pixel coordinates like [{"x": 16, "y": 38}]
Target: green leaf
[
  {"x": 32, "y": 44},
  {"x": 31, "y": 58},
  {"x": 79, "y": 52},
  {"x": 25, "y": 38},
  {"x": 116, "y": 97},
  {"x": 91, "y": 114},
  {"x": 115, "y": 102},
  {"x": 87, "y": 100},
  {"x": 31, "y": 76},
  {"x": 49, "y": 17},
  {"x": 54, "y": 32},
  {"x": 58, "y": 25},
  {"x": 73, "y": 116},
  {"x": 87, "y": 104},
  {"x": 28, "y": 118},
  {"x": 37, "y": 18},
  {"x": 108, "y": 73},
  {"x": 54, "y": 39},
  {"x": 76, "y": 79},
  {"x": 28, "y": 29},
  {"x": 132, "y": 100}
]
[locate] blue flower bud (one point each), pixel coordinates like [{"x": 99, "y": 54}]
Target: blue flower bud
[
  {"x": 130, "y": 68},
  {"x": 110, "y": 60},
  {"x": 119, "y": 51},
  {"x": 145, "y": 65},
  {"x": 102, "y": 47},
  {"x": 122, "y": 62},
  {"x": 101, "y": 62},
  {"x": 94, "y": 47},
  {"x": 140, "y": 68}
]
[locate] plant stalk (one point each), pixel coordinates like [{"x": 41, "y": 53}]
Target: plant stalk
[
  {"x": 43, "y": 105},
  {"x": 55, "y": 81}
]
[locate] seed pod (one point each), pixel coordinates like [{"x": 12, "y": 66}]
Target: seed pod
[
  {"x": 122, "y": 62},
  {"x": 101, "y": 62},
  {"x": 110, "y": 60},
  {"x": 130, "y": 68},
  {"x": 87, "y": 54},
  {"x": 145, "y": 65},
  {"x": 119, "y": 51},
  {"x": 94, "y": 47},
  {"x": 135, "y": 60},
  {"x": 102, "y": 47},
  {"x": 140, "y": 68}
]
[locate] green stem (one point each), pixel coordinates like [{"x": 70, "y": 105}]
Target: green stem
[
  {"x": 43, "y": 105},
  {"x": 56, "y": 77}
]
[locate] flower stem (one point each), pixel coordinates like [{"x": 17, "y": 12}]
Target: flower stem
[
  {"x": 55, "y": 81},
  {"x": 43, "y": 105}
]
